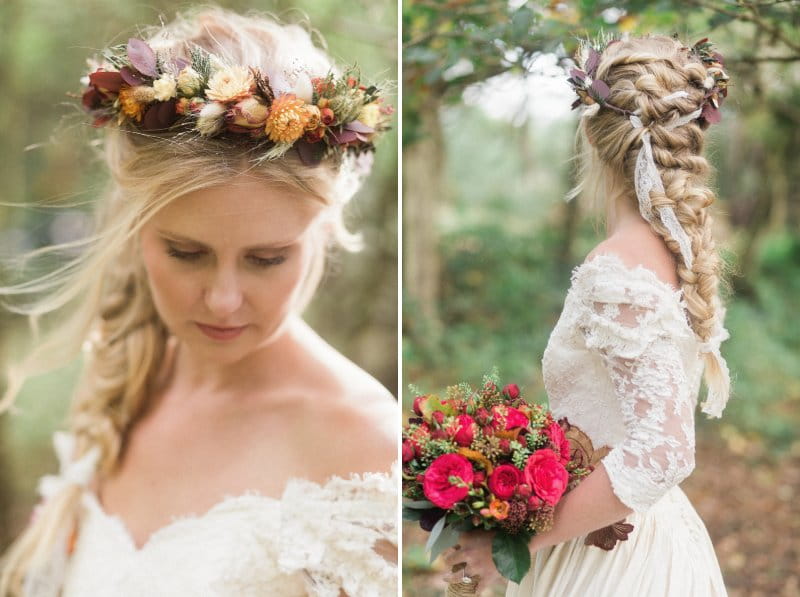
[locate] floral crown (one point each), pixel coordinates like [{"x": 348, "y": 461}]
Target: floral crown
[
  {"x": 321, "y": 117},
  {"x": 592, "y": 90}
]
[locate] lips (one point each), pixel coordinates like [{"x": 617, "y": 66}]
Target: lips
[{"x": 217, "y": 333}]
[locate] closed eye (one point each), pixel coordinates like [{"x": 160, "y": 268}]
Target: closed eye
[
  {"x": 267, "y": 261},
  {"x": 185, "y": 255}
]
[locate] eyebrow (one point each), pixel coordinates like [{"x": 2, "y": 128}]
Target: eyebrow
[{"x": 179, "y": 238}]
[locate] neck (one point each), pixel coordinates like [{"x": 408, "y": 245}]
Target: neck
[
  {"x": 198, "y": 373},
  {"x": 622, "y": 212}
]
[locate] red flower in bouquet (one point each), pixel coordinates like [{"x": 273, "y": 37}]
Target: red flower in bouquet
[
  {"x": 559, "y": 441},
  {"x": 512, "y": 391},
  {"x": 504, "y": 480},
  {"x": 508, "y": 417},
  {"x": 408, "y": 451},
  {"x": 418, "y": 437},
  {"x": 546, "y": 475},
  {"x": 448, "y": 480},
  {"x": 463, "y": 430}
]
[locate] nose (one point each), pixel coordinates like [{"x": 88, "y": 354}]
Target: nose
[{"x": 224, "y": 295}]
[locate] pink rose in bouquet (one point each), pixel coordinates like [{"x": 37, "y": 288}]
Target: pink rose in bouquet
[
  {"x": 505, "y": 479},
  {"x": 546, "y": 475},
  {"x": 559, "y": 441},
  {"x": 448, "y": 480},
  {"x": 463, "y": 430}
]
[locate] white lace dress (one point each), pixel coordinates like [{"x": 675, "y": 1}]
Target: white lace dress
[
  {"x": 623, "y": 365},
  {"x": 314, "y": 540}
]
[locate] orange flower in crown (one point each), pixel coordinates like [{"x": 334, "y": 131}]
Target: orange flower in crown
[
  {"x": 321, "y": 117},
  {"x": 287, "y": 119}
]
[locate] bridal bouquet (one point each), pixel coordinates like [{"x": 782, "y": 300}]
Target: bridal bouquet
[{"x": 486, "y": 459}]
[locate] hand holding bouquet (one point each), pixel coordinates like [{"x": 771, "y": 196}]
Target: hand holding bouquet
[{"x": 486, "y": 459}]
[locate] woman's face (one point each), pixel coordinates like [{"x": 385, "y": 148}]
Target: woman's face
[{"x": 226, "y": 263}]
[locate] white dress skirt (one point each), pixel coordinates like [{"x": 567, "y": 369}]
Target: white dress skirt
[
  {"x": 624, "y": 365},
  {"x": 669, "y": 553}
]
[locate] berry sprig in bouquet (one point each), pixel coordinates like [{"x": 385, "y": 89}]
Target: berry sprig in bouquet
[{"x": 487, "y": 459}]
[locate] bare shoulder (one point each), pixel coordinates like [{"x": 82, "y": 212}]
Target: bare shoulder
[
  {"x": 640, "y": 245},
  {"x": 358, "y": 416}
]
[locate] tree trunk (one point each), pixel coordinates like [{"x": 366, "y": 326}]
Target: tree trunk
[{"x": 423, "y": 193}]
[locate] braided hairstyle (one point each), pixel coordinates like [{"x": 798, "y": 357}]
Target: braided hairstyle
[
  {"x": 105, "y": 293},
  {"x": 641, "y": 73}
]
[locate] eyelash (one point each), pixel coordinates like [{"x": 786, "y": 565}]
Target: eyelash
[{"x": 195, "y": 255}]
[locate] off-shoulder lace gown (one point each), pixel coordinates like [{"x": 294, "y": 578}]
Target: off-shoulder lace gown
[
  {"x": 314, "y": 540},
  {"x": 623, "y": 365}
]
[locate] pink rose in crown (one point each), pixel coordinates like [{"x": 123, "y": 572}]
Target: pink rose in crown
[
  {"x": 559, "y": 441},
  {"x": 463, "y": 430},
  {"x": 546, "y": 475},
  {"x": 448, "y": 480},
  {"x": 504, "y": 480}
]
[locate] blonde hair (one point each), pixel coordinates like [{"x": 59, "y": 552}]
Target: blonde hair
[
  {"x": 105, "y": 290},
  {"x": 640, "y": 72}
]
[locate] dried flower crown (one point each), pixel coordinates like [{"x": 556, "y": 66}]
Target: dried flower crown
[
  {"x": 148, "y": 90},
  {"x": 592, "y": 90}
]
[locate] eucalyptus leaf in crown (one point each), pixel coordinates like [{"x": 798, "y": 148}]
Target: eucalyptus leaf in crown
[{"x": 139, "y": 88}]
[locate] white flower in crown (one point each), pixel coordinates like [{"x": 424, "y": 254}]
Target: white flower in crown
[
  {"x": 189, "y": 81},
  {"x": 230, "y": 84},
  {"x": 165, "y": 87},
  {"x": 211, "y": 119}
]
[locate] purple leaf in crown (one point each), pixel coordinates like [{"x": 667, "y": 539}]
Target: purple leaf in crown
[
  {"x": 576, "y": 103},
  {"x": 106, "y": 80},
  {"x": 131, "y": 77},
  {"x": 159, "y": 116},
  {"x": 599, "y": 90},
  {"x": 358, "y": 127},
  {"x": 592, "y": 62},
  {"x": 577, "y": 74},
  {"x": 142, "y": 57},
  {"x": 310, "y": 153},
  {"x": 180, "y": 64},
  {"x": 344, "y": 137},
  {"x": 711, "y": 114}
]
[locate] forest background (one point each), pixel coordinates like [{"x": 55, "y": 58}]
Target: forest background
[
  {"x": 489, "y": 242},
  {"x": 48, "y": 165}
]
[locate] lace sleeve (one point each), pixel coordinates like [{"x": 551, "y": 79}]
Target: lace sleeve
[
  {"x": 637, "y": 329},
  {"x": 330, "y": 533}
]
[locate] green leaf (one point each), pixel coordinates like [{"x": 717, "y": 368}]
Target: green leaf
[
  {"x": 411, "y": 514},
  {"x": 511, "y": 555},
  {"x": 419, "y": 504},
  {"x": 435, "y": 532},
  {"x": 447, "y": 538}
]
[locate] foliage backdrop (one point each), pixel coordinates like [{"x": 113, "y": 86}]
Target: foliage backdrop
[
  {"x": 489, "y": 243},
  {"x": 44, "y": 45}
]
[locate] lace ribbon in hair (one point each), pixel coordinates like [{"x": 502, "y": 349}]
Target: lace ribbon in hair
[
  {"x": 717, "y": 396},
  {"x": 647, "y": 178},
  {"x": 45, "y": 577}
]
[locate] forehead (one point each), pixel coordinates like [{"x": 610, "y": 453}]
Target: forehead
[{"x": 246, "y": 211}]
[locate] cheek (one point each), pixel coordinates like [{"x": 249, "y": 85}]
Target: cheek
[
  {"x": 277, "y": 289},
  {"x": 171, "y": 292}
]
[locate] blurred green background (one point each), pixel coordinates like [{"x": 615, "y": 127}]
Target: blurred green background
[
  {"x": 46, "y": 159},
  {"x": 489, "y": 242}
]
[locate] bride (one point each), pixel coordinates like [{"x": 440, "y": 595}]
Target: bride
[
  {"x": 641, "y": 323},
  {"x": 217, "y": 445}
]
